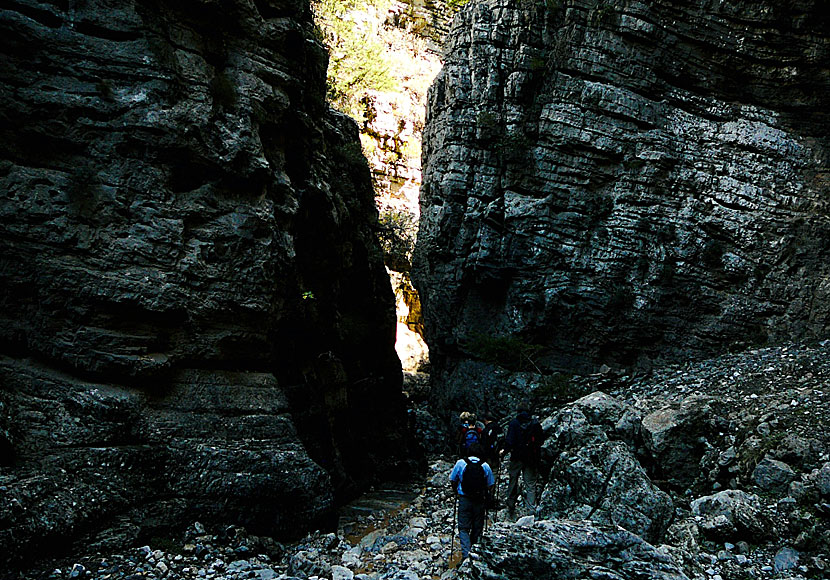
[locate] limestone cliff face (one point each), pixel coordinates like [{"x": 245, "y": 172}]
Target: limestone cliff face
[
  {"x": 194, "y": 314},
  {"x": 619, "y": 182}
]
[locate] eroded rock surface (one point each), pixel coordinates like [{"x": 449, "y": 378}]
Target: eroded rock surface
[
  {"x": 194, "y": 314},
  {"x": 617, "y": 183}
]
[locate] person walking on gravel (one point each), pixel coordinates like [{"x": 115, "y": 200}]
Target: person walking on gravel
[
  {"x": 524, "y": 443},
  {"x": 471, "y": 479}
]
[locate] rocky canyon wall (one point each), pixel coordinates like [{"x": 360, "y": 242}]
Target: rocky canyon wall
[
  {"x": 195, "y": 320},
  {"x": 618, "y": 183}
]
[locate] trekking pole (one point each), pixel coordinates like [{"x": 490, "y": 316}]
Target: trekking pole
[
  {"x": 452, "y": 537},
  {"x": 498, "y": 479}
]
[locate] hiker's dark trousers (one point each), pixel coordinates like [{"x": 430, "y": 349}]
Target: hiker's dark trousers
[{"x": 470, "y": 522}]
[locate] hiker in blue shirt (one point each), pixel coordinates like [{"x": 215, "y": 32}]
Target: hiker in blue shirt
[{"x": 471, "y": 479}]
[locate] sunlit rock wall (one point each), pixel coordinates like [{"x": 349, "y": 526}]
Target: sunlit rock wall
[
  {"x": 194, "y": 315},
  {"x": 619, "y": 183}
]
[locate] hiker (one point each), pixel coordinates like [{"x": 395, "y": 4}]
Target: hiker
[
  {"x": 491, "y": 441},
  {"x": 524, "y": 443},
  {"x": 471, "y": 479},
  {"x": 469, "y": 432}
]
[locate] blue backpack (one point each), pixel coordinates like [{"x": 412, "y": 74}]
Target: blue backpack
[{"x": 471, "y": 435}]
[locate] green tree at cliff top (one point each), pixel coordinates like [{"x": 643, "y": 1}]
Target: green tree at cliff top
[{"x": 357, "y": 58}]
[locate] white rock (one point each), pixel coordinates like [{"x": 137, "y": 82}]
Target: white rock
[
  {"x": 350, "y": 559},
  {"x": 526, "y": 521},
  {"x": 341, "y": 573}
]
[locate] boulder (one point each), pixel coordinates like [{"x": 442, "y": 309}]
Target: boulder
[
  {"x": 821, "y": 477},
  {"x": 772, "y": 475},
  {"x": 605, "y": 483},
  {"x": 678, "y": 436},
  {"x": 599, "y": 478},
  {"x": 733, "y": 515},
  {"x": 567, "y": 549}
]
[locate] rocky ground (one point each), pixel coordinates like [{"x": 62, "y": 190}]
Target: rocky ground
[{"x": 716, "y": 470}]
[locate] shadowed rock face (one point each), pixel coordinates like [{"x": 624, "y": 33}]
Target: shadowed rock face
[
  {"x": 194, "y": 314},
  {"x": 623, "y": 182}
]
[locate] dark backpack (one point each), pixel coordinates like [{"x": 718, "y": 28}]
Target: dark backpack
[
  {"x": 529, "y": 447},
  {"x": 474, "y": 480},
  {"x": 490, "y": 437}
]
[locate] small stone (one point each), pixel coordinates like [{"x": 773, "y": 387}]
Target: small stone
[
  {"x": 741, "y": 559},
  {"x": 786, "y": 505},
  {"x": 341, "y": 573},
  {"x": 162, "y": 568},
  {"x": 786, "y": 559},
  {"x": 200, "y": 529}
]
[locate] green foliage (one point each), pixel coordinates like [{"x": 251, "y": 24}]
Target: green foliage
[
  {"x": 538, "y": 64},
  {"x": 397, "y": 234},
  {"x": 357, "y": 58},
  {"x": 602, "y": 14},
  {"x": 487, "y": 120},
  {"x": 506, "y": 351},
  {"x": 558, "y": 389}
]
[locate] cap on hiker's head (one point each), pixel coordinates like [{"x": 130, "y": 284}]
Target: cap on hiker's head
[{"x": 467, "y": 416}]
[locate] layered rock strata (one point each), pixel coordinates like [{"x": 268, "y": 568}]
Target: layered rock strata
[
  {"x": 618, "y": 183},
  {"x": 194, "y": 314}
]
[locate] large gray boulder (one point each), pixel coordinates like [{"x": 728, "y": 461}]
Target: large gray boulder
[
  {"x": 194, "y": 313},
  {"x": 679, "y": 435},
  {"x": 733, "y": 515},
  {"x": 595, "y": 477},
  {"x": 567, "y": 549}
]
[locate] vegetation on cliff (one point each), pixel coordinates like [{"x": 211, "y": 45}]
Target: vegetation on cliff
[{"x": 358, "y": 61}]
